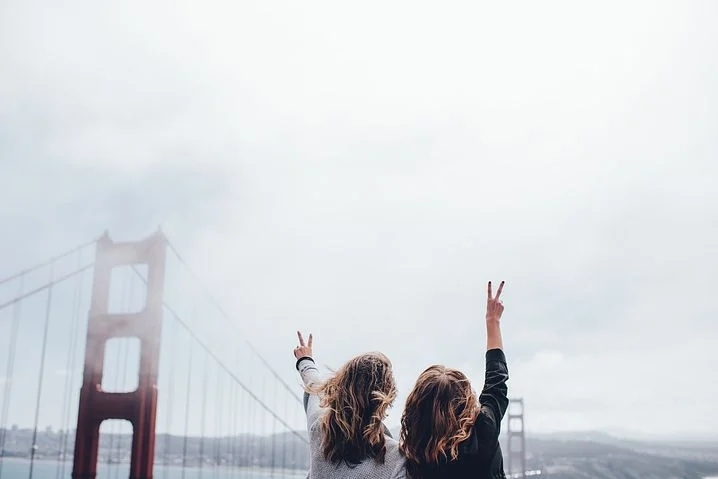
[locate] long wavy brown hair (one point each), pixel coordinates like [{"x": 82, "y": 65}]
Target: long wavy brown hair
[
  {"x": 357, "y": 398},
  {"x": 437, "y": 418}
]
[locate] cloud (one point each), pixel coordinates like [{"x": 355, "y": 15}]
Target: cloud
[
  {"x": 362, "y": 175},
  {"x": 619, "y": 390}
]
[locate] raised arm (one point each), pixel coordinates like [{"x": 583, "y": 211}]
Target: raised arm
[
  {"x": 310, "y": 376},
  {"x": 494, "y": 397}
]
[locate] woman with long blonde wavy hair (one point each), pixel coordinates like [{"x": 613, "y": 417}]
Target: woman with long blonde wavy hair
[
  {"x": 446, "y": 431},
  {"x": 345, "y": 414}
]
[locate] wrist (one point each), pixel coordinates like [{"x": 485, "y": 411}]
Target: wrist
[{"x": 303, "y": 358}]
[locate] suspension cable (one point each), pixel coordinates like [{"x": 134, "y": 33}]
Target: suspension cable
[
  {"x": 205, "y": 379},
  {"x": 251, "y": 437},
  {"x": 45, "y": 286},
  {"x": 186, "y": 414},
  {"x": 10, "y": 370},
  {"x": 274, "y": 441},
  {"x": 69, "y": 374},
  {"x": 76, "y": 321},
  {"x": 170, "y": 402},
  {"x": 233, "y": 323},
  {"x": 208, "y": 350},
  {"x": 47, "y": 262},
  {"x": 284, "y": 442},
  {"x": 216, "y": 445},
  {"x": 237, "y": 433},
  {"x": 43, "y": 353},
  {"x": 232, "y": 424}
]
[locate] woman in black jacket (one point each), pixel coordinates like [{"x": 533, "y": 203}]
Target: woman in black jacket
[{"x": 446, "y": 432}]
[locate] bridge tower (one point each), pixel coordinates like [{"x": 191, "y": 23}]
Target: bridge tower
[
  {"x": 139, "y": 407},
  {"x": 516, "y": 439}
]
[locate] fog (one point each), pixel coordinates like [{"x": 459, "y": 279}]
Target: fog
[{"x": 361, "y": 171}]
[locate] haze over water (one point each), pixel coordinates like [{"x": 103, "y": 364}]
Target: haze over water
[{"x": 12, "y": 469}]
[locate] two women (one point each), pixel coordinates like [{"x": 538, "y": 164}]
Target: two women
[{"x": 446, "y": 431}]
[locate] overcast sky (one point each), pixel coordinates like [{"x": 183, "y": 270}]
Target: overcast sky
[{"x": 361, "y": 171}]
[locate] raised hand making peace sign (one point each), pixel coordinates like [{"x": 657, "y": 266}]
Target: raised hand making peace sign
[
  {"x": 494, "y": 308},
  {"x": 303, "y": 350}
]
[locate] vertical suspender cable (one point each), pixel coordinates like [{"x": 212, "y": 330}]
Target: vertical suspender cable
[
  {"x": 70, "y": 376},
  {"x": 186, "y": 414},
  {"x": 217, "y": 419},
  {"x": 262, "y": 430},
  {"x": 41, "y": 376},
  {"x": 205, "y": 379},
  {"x": 236, "y": 451},
  {"x": 293, "y": 452},
  {"x": 223, "y": 449},
  {"x": 297, "y": 449},
  {"x": 274, "y": 437},
  {"x": 233, "y": 427},
  {"x": 229, "y": 423},
  {"x": 170, "y": 401},
  {"x": 72, "y": 366},
  {"x": 256, "y": 418},
  {"x": 285, "y": 437},
  {"x": 10, "y": 369},
  {"x": 241, "y": 419},
  {"x": 227, "y": 418}
]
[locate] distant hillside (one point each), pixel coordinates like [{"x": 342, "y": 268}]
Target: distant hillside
[
  {"x": 597, "y": 455},
  {"x": 560, "y": 456}
]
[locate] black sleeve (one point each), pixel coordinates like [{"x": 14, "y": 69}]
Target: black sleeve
[{"x": 494, "y": 398}]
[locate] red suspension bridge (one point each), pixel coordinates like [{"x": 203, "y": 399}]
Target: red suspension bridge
[{"x": 153, "y": 382}]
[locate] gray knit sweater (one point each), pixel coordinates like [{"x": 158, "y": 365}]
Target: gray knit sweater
[{"x": 319, "y": 467}]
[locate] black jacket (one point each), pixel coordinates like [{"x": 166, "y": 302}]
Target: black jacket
[{"x": 480, "y": 455}]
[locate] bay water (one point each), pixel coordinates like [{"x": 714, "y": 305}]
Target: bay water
[{"x": 20, "y": 469}]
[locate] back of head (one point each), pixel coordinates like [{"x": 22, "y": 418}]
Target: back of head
[
  {"x": 438, "y": 416},
  {"x": 357, "y": 398}
]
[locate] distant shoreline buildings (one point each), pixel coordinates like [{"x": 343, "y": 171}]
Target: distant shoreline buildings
[{"x": 280, "y": 451}]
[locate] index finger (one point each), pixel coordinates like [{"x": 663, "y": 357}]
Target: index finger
[
  {"x": 489, "y": 290},
  {"x": 301, "y": 338},
  {"x": 501, "y": 288},
  {"x": 309, "y": 343}
]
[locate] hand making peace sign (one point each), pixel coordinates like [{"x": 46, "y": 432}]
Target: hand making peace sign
[
  {"x": 303, "y": 350},
  {"x": 494, "y": 308}
]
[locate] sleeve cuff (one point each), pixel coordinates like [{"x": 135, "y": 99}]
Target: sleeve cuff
[
  {"x": 302, "y": 359},
  {"x": 495, "y": 355}
]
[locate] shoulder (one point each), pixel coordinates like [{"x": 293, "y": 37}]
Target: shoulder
[
  {"x": 394, "y": 460},
  {"x": 484, "y": 435},
  {"x": 485, "y": 420},
  {"x": 315, "y": 428},
  {"x": 391, "y": 442}
]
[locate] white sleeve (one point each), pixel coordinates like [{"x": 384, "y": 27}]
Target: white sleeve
[{"x": 310, "y": 376}]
